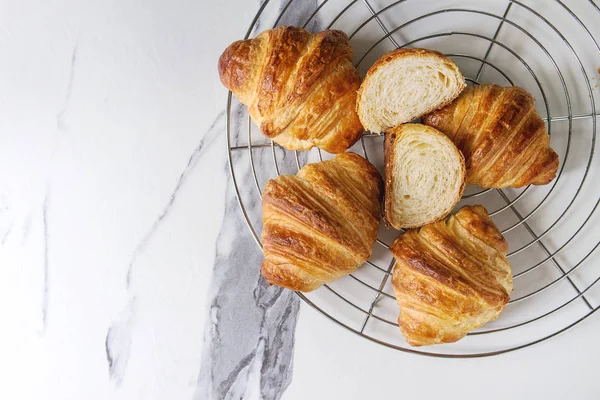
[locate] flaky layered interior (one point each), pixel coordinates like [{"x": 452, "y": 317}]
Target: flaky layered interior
[
  {"x": 407, "y": 88},
  {"x": 427, "y": 176}
]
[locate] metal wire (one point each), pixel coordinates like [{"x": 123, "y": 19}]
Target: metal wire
[{"x": 371, "y": 316}]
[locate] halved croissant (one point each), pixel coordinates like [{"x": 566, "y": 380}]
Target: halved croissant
[
  {"x": 300, "y": 88},
  {"x": 451, "y": 277},
  {"x": 502, "y": 137},
  {"x": 424, "y": 175},
  {"x": 405, "y": 84},
  {"x": 320, "y": 224}
]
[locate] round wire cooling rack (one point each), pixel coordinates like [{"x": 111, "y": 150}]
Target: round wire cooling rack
[{"x": 546, "y": 47}]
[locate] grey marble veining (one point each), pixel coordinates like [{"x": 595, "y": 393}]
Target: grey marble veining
[
  {"x": 207, "y": 141},
  {"x": 118, "y": 337},
  {"x": 248, "y": 343},
  {"x": 298, "y": 12},
  {"x": 118, "y": 343},
  {"x": 250, "y": 336},
  {"x": 60, "y": 117},
  {"x": 6, "y": 233}
]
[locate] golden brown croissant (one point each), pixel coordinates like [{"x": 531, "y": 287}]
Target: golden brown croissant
[
  {"x": 300, "y": 88},
  {"x": 320, "y": 224},
  {"x": 502, "y": 137},
  {"x": 451, "y": 277}
]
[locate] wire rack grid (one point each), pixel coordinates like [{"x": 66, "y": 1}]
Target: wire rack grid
[{"x": 550, "y": 48}]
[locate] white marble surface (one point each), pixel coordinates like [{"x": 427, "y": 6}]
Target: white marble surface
[{"x": 126, "y": 270}]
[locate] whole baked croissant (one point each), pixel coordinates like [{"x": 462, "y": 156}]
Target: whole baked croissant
[
  {"x": 502, "y": 137},
  {"x": 451, "y": 277},
  {"x": 320, "y": 224},
  {"x": 300, "y": 88}
]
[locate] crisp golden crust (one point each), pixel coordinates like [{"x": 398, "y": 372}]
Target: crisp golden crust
[
  {"x": 391, "y": 136},
  {"x": 300, "y": 88},
  {"x": 320, "y": 224},
  {"x": 392, "y": 56},
  {"x": 388, "y": 159},
  {"x": 502, "y": 137},
  {"x": 451, "y": 277}
]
